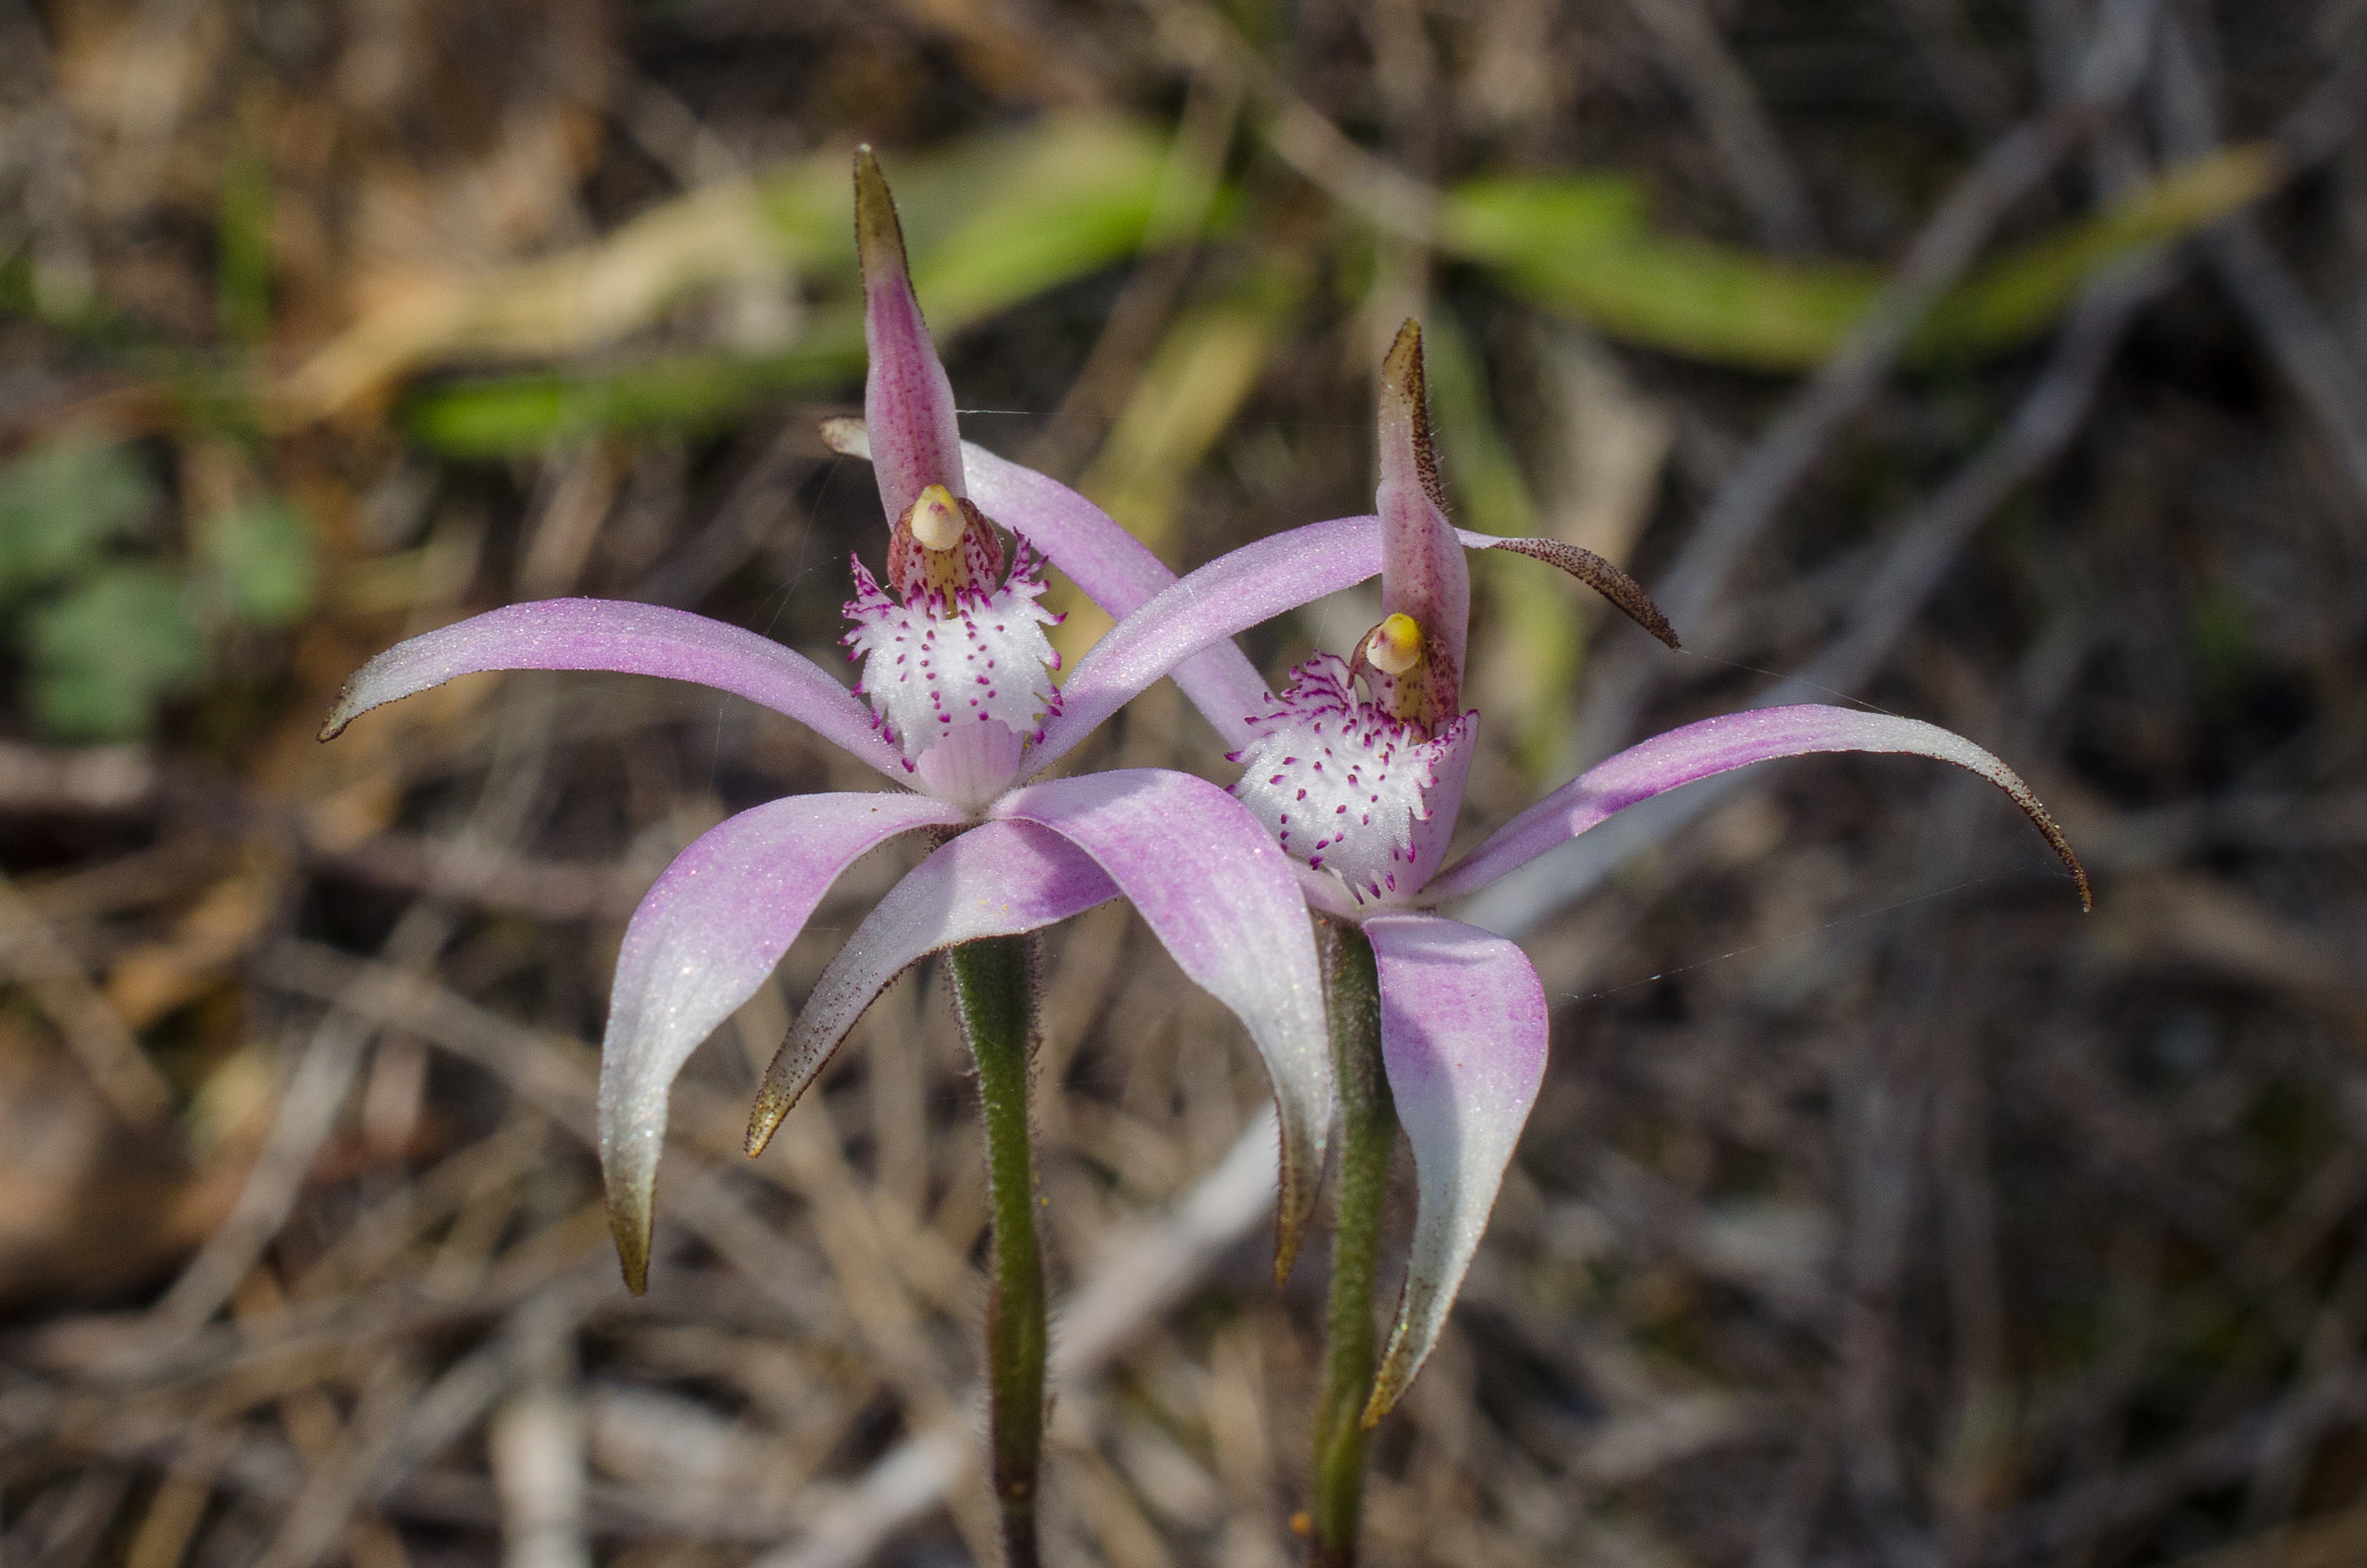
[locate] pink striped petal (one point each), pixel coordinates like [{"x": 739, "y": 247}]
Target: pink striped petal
[
  {"x": 1720, "y": 745},
  {"x": 906, "y": 397},
  {"x": 635, "y": 639},
  {"x": 1225, "y": 901},
  {"x": 996, "y": 879},
  {"x": 704, "y": 939},
  {"x": 1463, "y": 1040},
  {"x": 1422, "y": 573}
]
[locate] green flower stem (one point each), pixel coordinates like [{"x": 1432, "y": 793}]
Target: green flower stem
[
  {"x": 995, "y": 993},
  {"x": 1368, "y": 1131}
]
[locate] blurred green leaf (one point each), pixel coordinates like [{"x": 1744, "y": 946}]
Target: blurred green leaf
[
  {"x": 1580, "y": 247},
  {"x": 59, "y": 504},
  {"x": 2017, "y": 296},
  {"x": 104, "y": 654},
  {"x": 1517, "y": 217},
  {"x": 991, "y": 223},
  {"x": 1704, "y": 301},
  {"x": 1040, "y": 213},
  {"x": 494, "y": 415},
  {"x": 999, "y": 219},
  {"x": 259, "y": 557}
]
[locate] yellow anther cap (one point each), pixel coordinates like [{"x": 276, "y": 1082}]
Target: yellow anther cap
[
  {"x": 1396, "y": 645},
  {"x": 936, "y": 519}
]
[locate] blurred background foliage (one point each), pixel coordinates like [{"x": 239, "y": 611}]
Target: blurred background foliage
[{"x": 2000, "y": 363}]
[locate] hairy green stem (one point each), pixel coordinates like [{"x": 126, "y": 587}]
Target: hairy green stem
[
  {"x": 994, "y": 993},
  {"x": 1368, "y": 1131}
]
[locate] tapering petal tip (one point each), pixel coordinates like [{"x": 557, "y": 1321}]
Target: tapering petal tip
[
  {"x": 704, "y": 939},
  {"x": 626, "y": 638},
  {"x": 352, "y": 701},
  {"x": 1405, "y": 412},
  {"x": 999, "y": 878},
  {"x": 775, "y": 1099},
  {"x": 878, "y": 233},
  {"x": 1732, "y": 740},
  {"x": 632, "y": 1232},
  {"x": 1401, "y": 1359},
  {"x": 1624, "y": 593},
  {"x": 908, "y": 405},
  {"x": 2040, "y": 818},
  {"x": 1401, "y": 370},
  {"x": 1463, "y": 1039},
  {"x": 1294, "y": 1200}
]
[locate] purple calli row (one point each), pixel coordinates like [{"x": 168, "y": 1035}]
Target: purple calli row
[{"x": 964, "y": 712}]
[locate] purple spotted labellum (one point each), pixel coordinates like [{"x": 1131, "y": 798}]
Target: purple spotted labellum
[
  {"x": 962, "y": 716},
  {"x": 1357, "y": 771}
]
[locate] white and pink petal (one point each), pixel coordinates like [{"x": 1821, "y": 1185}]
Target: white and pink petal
[
  {"x": 999, "y": 878},
  {"x": 1115, "y": 570},
  {"x": 1225, "y": 903},
  {"x": 704, "y": 939},
  {"x": 1712, "y": 746},
  {"x": 1463, "y": 1036},
  {"x": 634, "y": 639}
]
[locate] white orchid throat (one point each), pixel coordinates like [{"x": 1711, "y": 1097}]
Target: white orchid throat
[
  {"x": 934, "y": 675},
  {"x": 1350, "y": 790}
]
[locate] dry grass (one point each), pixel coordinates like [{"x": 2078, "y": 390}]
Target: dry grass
[{"x": 1880, "y": 1209}]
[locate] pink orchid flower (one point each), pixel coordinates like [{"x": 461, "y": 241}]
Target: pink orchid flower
[
  {"x": 963, "y": 714},
  {"x": 1362, "y": 789}
]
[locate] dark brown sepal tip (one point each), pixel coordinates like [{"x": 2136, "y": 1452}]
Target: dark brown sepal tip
[
  {"x": 632, "y": 1258},
  {"x": 1607, "y": 579},
  {"x": 2061, "y": 843},
  {"x": 1402, "y": 374},
  {"x": 878, "y": 233}
]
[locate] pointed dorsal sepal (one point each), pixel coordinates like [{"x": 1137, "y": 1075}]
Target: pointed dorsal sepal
[
  {"x": 907, "y": 401},
  {"x": 1423, "y": 576}
]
